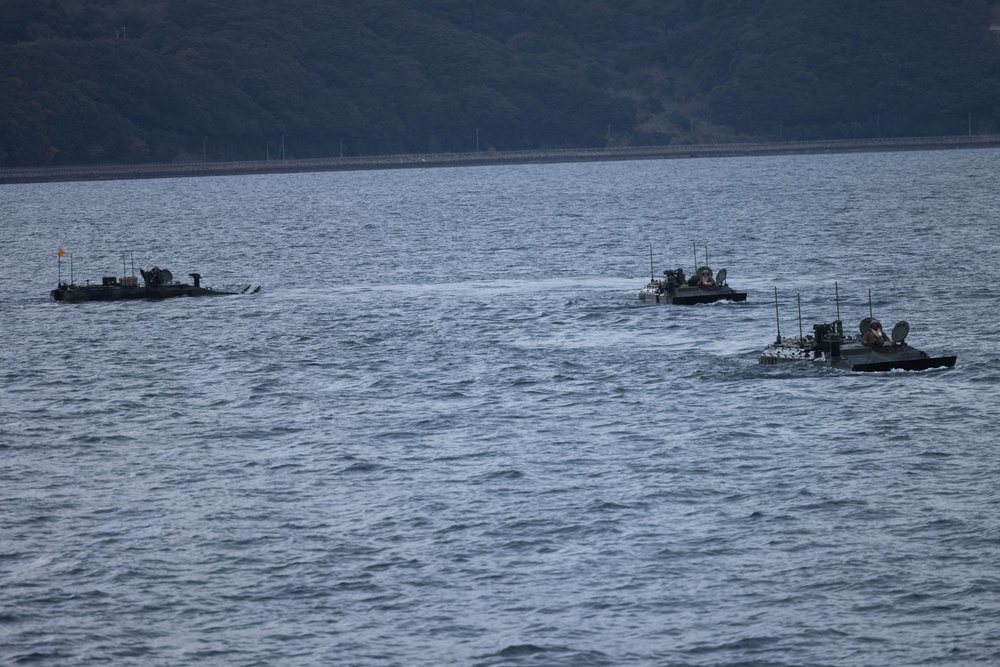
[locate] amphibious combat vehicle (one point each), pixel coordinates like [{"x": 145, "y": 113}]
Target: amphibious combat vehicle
[
  {"x": 157, "y": 284},
  {"x": 868, "y": 351},
  {"x": 702, "y": 287}
]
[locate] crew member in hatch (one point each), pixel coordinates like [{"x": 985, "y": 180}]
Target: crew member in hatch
[{"x": 875, "y": 336}]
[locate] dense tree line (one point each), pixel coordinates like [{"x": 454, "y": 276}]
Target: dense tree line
[{"x": 84, "y": 81}]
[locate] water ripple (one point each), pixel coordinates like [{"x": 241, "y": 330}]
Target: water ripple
[{"x": 447, "y": 432}]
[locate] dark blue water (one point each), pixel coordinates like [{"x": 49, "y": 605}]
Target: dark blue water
[{"x": 448, "y": 432}]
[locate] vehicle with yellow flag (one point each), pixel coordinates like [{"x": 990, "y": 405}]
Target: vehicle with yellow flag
[{"x": 156, "y": 284}]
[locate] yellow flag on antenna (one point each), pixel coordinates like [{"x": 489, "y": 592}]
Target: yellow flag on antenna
[{"x": 61, "y": 252}]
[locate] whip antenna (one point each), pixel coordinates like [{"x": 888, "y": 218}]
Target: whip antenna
[
  {"x": 777, "y": 320},
  {"x": 798, "y": 297},
  {"x": 836, "y": 291}
]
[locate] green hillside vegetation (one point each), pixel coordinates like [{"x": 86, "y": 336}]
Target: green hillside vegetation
[{"x": 91, "y": 81}]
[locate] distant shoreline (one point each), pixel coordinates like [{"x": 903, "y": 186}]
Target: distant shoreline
[{"x": 483, "y": 158}]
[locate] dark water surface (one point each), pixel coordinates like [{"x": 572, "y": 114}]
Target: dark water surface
[{"x": 448, "y": 432}]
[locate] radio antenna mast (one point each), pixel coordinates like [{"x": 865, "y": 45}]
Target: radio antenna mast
[
  {"x": 836, "y": 291},
  {"x": 798, "y": 297},
  {"x": 777, "y": 320}
]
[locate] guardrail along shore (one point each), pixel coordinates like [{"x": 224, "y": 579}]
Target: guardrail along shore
[{"x": 188, "y": 169}]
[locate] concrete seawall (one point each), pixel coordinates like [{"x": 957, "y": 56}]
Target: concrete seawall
[{"x": 188, "y": 169}]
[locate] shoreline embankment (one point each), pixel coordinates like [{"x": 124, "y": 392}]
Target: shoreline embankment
[{"x": 484, "y": 158}]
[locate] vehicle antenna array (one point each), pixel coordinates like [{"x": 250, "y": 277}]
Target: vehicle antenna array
[
  {"x": 870, "y": 313},
  {"x": 652, "y": 276}
]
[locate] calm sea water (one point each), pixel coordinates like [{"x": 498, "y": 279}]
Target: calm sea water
[{"x": 448, "y": 432}]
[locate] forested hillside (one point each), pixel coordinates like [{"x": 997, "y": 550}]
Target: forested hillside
[{"x": 85, "y": 81}]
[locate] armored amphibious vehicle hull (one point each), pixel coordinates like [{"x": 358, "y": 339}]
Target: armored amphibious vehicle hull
[
  {"x": 686, "y": 296},
  {"x": 854, "y": 357},
  {"x": 829, "y": 347},
  {"x": 76, "y": 293},
  {"x": 159, "y": 284},
  {"x": 673, "y": 289}
]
